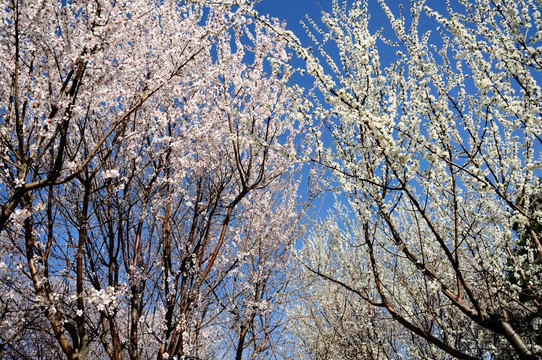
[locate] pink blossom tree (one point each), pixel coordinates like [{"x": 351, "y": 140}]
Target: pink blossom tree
[{"x": 148, "y": 183}]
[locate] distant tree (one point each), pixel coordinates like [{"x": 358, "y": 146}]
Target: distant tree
[{"x": 429, "y": 151}]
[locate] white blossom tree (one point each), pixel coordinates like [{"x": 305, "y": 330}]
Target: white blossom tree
[
  {"x": 433, "y": 250},
  {"x": 147, "y": 184}
]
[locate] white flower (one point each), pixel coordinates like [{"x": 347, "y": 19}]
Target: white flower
[
  {"x": 21, "y": 215},
  {"x": 19, "y": 183},
  {"x": 110, "y": 174},
  {"x": 39, "y": 206},
  {"x": 434, "y": 287}
]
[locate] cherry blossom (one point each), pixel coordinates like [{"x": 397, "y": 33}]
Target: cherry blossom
[
  {"x": 433, "y": 249},
  {"x": 144, "y": 150}
]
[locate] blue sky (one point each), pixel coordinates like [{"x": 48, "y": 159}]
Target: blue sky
[
  {"x": 293, "y": 11},
  {"x": 290, "y": 10}
]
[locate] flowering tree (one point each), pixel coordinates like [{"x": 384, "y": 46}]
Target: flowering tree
[
  {"x": 435, "y": 250},
  {"x": 145, "y": 157}
]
